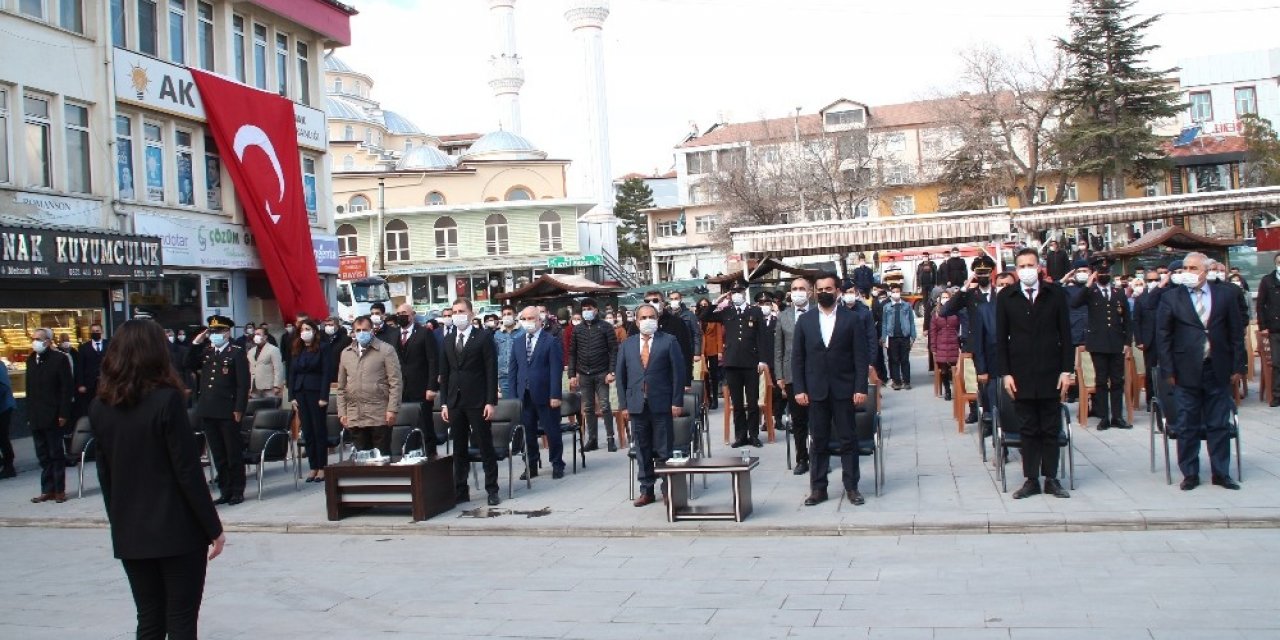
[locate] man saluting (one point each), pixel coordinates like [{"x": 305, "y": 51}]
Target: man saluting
[{"x": 222, "y": 390}]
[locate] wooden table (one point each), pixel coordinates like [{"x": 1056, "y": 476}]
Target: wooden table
[
  {"x": 677, "y": 475},
  {"x": 426, "y": 488}
]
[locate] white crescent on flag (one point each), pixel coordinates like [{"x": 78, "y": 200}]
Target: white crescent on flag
[{"x": 251, "y": 136}]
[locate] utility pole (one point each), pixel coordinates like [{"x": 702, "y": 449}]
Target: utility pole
[{"x": 379, "y": 233}]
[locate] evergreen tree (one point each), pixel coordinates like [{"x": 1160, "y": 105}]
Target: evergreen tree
[
  {"x": 1114, "y": 96},
  {"x": 1262, "y": 166},
  {"x": 633, "y": 228}
]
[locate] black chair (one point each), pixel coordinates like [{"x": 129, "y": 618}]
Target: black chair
[
  {"x": 699, "y": 390},
  {"x": 252, "y": 407},
  {"x": 1003, "y": 438},
  {"x": 440, "y": 427},
  {"x": 206, "y": 456},
  {"x": 684, "y": 438},
  {"x": 508, "y": 442},
  {"x": 82, "y": 443},
  {"x": 407, "y": 428},
  {"x": 867, "y": 436},
  {"x": 571, "y": 423},
  {"x": 269, "y": 442},
  {"x": 1164, "y": 414}
]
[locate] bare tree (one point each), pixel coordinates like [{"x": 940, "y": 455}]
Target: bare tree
[{"x": 837, "y": 172}]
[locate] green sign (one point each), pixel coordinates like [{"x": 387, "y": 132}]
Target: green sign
[{"x": 567, "y": 262}]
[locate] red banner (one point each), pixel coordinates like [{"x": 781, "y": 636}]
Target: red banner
[{"x": 256, "y": 136}]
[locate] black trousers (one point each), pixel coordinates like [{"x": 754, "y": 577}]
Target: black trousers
[
  {"x": 53, "y": 460},
  {"x": 1040, "y": 422},
  {"x": 1108, "y": 372},
  {"x": 713, "y": 380},
  {"x": 799, "y": 426},
  {"x": 744, "y": 381},
  {"x": 227, "y": 446},
  {"x": 1274, "y": 337},
  {"x": 1149, "y": 362},
  {"x": 900, "y": 360},
  {"x": 462, "y": 422},
  {"x": 366, "y": 438},
  {"x": 6, "y": 445},
  {"x": 167, "y": 593},
  {"x": 311, "y": 421},
  {"x": 832, "y": 420}
]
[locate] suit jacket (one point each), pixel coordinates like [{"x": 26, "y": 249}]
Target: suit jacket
[
  {"x": 222, "y": 383},
  {"x": 417, "y": 363},
  {"x": 968, "y": 300},
  {"x": 266, "y": 366},
  {"x": 661, "y": 384},
  {"x": 541, "y": 374},
  {"x": 768, "y": 344},
  {"x": 149, "y": 469},
  {"x": 954, "y": 272},
  {"x": 926, "y": 276},
  {"x": 309, "y": 371},
  {"x": 838, "y": 370},
  {"x": 88, "y": 365},
  {"x": 1181, "y": 337},
  {"x": 1033, "y": 341},
  {"x": 867, "y": 318},
  {"x": 49, "y": 389},
  {"x": 783, "y": 341},
  {"x": 1110, "y": 321},
  {"x": 743, "y": 335},
  {"x": 1056, "y": 263},
  {"x": 1144, "y": 317},
  {"x": 469, "y": 380},
  {"x": 982, "y": 342}
]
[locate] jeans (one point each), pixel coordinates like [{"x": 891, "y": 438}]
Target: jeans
[
  {"x": 167, "y": 593},
  {"x": 900, "y": 360},
  {"x": 595, "y": 391}
]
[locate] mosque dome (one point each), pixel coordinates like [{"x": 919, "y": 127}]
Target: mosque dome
[
  {"x": 503, "y": 145},
  {"x": 424, "y": 157}
]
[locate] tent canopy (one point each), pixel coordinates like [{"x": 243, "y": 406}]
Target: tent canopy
[
  {"x": 555, "y": 285},
  {"x": 1174, "y": 237},
  {"x": 762, "y": 269}
]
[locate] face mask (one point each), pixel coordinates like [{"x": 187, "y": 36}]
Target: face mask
[
  {"x": 528, "y": 325},
  {"x": 1104, "y": 280},
  {"x": 66, "y": 346},
  {"x": 649, "y": 326},
  {"x": 895, "y": 296},
  {"x": 1238, "y": 283},
  {"x": 404, "y": 321},
  {"x": 827, "y": 299},
  {"x": 542, "y": 316},
  {"x": 96, "y": 335},
  {"x": 288, "y": 328},
  {"x": 799, "y": 298},
  {"x": 259, "y": 339},
  {"x": 330, "y": 329},
  {"x": 217, "y": 340},
  {"x": 848, "y": 298},
  {"x": 363, "y": 338},
  {"x": 1186, "y": 279},
  {"x": 38, "y": 346},
  {"x": 182, "y": 337},
  {"x": 1215, "y": 276},
  {"x": 576, "y": 322},
  {"x": 308, "y": 336},
  {"x": 1137, "y": 291},
  {"x": 589, "y": 314},
  {"x": 377, "y": 320},
  {"x": 737, "y": 299},
  {"x": 1082, "y": 277},
  {"x": 170, "y": 339},
  {"x": 999, "y": 288},
  {"x": 491, "y": 324},
  {"x": 984, "y": 281},
  {"x": 612, "y": 321},
  {"x": 460, "y": 320},
  {"x": 674, "y": 304},
  {"x": 508, "y": 321},
  {"x": 1028, "y": 276}
]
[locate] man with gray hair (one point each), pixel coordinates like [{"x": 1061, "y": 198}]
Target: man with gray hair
[{"x": 49, "y": 412}]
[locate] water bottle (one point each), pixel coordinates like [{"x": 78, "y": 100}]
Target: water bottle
[{"x": 746, "y": 456}]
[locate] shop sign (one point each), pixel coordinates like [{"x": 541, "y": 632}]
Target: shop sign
[
  {"x": 353, "y": 267},
  {"x": 326, "y": 250},
  {"x": 77, "y": 255},
  {"x": 170, "y": 88},
  {"x": 40, "y": 208},
  {"x": 567, "y": 262},
  {"x": 220, "y": 245}
]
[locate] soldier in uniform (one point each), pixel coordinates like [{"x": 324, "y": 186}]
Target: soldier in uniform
[
  {"x": 744, "y": 359},
  {"x": 222, "y": 385},
  {"x": 970, "y": 300},
  {"x": 1107, "y": 341}
]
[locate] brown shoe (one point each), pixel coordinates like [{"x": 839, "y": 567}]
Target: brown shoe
[
  {"x": 44, "y": 497},
  {"x": 816, "y": 497},
  {"x": 645, "y": 500},
  {"x": 59, "y": 498}
]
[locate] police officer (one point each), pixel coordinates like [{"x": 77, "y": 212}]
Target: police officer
[
  {"x": 1107, "y": 341},
  {"x": 977, "y": 292},
  {"x": 744, "y": 359},
  {"x": 222, "y": 386}
]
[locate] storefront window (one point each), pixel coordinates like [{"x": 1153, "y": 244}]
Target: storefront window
[
  {"x": 173, "y": 302},
  {"x": 17, "y": 325},
  {"x": 217, "y": 293},
  {"x": 440, "y": 293}
]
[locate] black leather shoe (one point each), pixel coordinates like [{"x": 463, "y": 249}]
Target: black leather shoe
[
  {"x": 738, "y": 443},
  {"x": 236, "y": 499},
  {"x": 1121, "y": 424},
  {"x": 972, "y": 418},
  {"x": 459, "y": 498},
  {"x": 1028, "y": 489},
  {"x": 1275, "y": 402},
  {"x": 1188, "y": 483},
  {"x": 222, "y": 500},
  {"x": 1226, "y": 483},
  {"x": 8, "y": 472},
  {"x": 556, "y": 474},
  {"x": 801, "y": 468},
  {"x": 946, "y": 395},
  {"x": 613, "y": 446},
  {"x": 494, "y": 499},
  {"x": 855, "y": 497},
  {"x": 755, "y": 442},
  {"x": 1103, "y": 425},
  {"x": 529, "y": 474},
  {"x": 591, "y": 445},
  {"x": 645, "y": 499},
  {"x": 897, "y": 386},
  {"x": 816, "y": 497},
  {"x": 987, "y": 428},
  {"x": 1054, "y": 488},
  {"x": 907, "y": 386}
]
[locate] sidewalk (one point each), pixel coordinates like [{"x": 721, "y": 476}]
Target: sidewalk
[{"x": 935, "y": 483}]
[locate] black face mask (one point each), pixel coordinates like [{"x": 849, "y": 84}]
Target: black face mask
[
  {"x": 826, "y": 299},
  {"x": 404, "y": 320},
  {"x": 96, "y": 335},
  {"x": 1104, "y": 279},
  {"x": 984, "y": 281}
]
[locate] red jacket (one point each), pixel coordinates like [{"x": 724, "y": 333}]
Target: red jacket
[{"x": 944, "y": 339}]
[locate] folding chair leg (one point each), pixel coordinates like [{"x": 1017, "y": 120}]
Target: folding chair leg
[
  {"x": 631, "y": 476},
  {"x": 787, "y": 437},
  {"x": 576, "y": 450},
  {"x": 1168, "y": 470},
  {"x": 511, "y": 475},
  {"x": 528, "y": 478},
  {"x": 1239, "y": 463},
  {"x": 82, "y": 457},
  {"x": 1151, "y": 441}
]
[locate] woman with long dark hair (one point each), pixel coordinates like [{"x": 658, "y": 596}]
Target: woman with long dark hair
[
  {"x": 164, "y": 527},
  {"x": 309, "y": 388}
]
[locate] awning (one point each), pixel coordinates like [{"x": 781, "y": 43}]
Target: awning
[
  {"x": 1174, "y": 237},
  {"x": 1137, "y": 209},
  {"x": 554, "y": 285},
  {"x": 470, "y": 265},
  {"x": 849, "y": 236}
]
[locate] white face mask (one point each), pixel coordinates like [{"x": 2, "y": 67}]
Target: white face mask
[
  {"x": 1216, "y": 276},
  {"x": 1186, "y": 279},
  {"x": 377, "y": 320},
  {"x": 170, "y": 339},
  {"x": 799, "y": 298},
  {"x": 528, "y": 325},
  {"x": 39, "y": 346},
  {"x": 1082, "y": 277},
  {"x": 737, "y": 299},
  {"x": 508, "y": 321},
  {"x": 330, "y": 329},
  {"x": 576, "y": 322},
  {"x": 1028, "y": 276},
  {"x": 649, "y": 326},
  {"x": 895, "y": 296},
  {"x": 674, "y": 304},
  {"x": 490, "y": 324},
  {"x": 308, "y": 336},
  {"x": 66, "y": 346},
  {"x": 849, "y": 298},
  {"x": 588, "y": 314},
  {"x": 460, "y": 320},
  {"x": 1137, "y": 291},
  {"x": 259, "y": 339},
  {"x": 542, "y": 316}
]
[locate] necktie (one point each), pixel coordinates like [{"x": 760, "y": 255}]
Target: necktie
[
  {"x": 1106, "y": 294},
  {"x": 1031, "y": 295},
  {"x": 528, "y": 348},
  {"x": 644, "y": 351},
  {"x": 97, "y": 346},
  {"x": 1202, "y": 309},
  {"x": 462, "y": 341}
]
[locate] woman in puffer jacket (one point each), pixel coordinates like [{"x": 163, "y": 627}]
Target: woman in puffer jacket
[{"x": 944, "y": 342}]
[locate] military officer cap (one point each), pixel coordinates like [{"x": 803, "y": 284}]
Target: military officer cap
[
  {"x": 983, "y": 265},
  {"x": 220, "y": 323},
  {"x": 1175, "y": 265},
  {"x": 737, "y": 285},
  {"x": 764, "y": 296},
  {"x": 1101, "y": 264},
  {"x": 892, "y": 275}
]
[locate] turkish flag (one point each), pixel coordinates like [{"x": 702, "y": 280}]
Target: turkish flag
[{"x": 257, "y": 138}]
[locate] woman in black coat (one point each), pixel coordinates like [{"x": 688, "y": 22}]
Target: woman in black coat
[
  {"x": 309, "y": 388},
  {"x": 163, "y": 522}
]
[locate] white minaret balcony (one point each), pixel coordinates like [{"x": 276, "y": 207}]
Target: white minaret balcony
[{"x": 586, "y": 14}]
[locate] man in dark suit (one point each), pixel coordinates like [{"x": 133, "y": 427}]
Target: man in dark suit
[
  {"x": 537, "y": 362},
  {"x": 1144, "y": 322},
  {"x": 49, "y": 412},
  {"x": 650, "y": 376},
  {"x": 1107, "y": 341},
  {"x": 744, "y": 360},
  {"x": 674, "y": 325},
  {"x": 863, "y": 275},
  {"x": 983, "y": 344},
  {"x": 1200, "y": 342},
  {"x": 88, "y": 366},
  {"x": 926, "y": 275},
  {"x": 829, "y": 375},
  {"x": 954, "y": 271},
  {"x": 469, "y": 382},
  {"x": 222, "y": 385},
  {"x": 1037, "y": 360},
  {"x": 1269, "y": 324},
  {"x": 417, "y": 350},
  {"x": 1057, "y": 262},
  {"x": 967, "y": 303},
  {"x": 783, "y": 353}
]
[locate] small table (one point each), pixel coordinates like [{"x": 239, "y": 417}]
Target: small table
[
  {"x": 677, "y": 475},
  {"x": 426, "y": 488}
]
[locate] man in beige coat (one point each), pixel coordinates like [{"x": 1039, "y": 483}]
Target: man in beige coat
[
  {"x": 266, "y": 367},
  {"x": 368, "y": 388}
]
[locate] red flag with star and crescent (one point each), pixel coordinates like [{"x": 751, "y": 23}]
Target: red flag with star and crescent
[{"x": 256, "y": 136}]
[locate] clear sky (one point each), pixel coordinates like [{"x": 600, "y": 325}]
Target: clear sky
[{"x": 674, "y": 62}]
